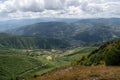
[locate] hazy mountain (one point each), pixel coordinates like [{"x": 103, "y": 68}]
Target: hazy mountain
[
  {"x": 5, "y": 35},
  {"x": 82, "y": 32},
  {"x": 11, "y": 24}
]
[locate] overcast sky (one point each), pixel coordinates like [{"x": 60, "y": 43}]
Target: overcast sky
[{"x": 10, "y": 9}]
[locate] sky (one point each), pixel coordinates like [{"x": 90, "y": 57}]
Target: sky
[{"x": 19, "y": 9}]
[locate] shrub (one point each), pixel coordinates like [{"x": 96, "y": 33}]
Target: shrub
[{"x": 112, "y": 57}]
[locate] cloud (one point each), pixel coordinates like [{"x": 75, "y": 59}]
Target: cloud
[
  {"x": 91, "y": 8},
  {"x": 23, "y": 5},
  {"x": 54, "y": 4},
  {"x": 59, "y": 8}
]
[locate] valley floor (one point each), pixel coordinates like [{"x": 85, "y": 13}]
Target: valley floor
[{"x": 83, "y": 73}]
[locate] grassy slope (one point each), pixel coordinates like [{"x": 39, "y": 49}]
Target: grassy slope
[
  {"x": 12, "y": 66},
  {"x": 107, "y": 54},
  {"x": 83, "y": 73}
]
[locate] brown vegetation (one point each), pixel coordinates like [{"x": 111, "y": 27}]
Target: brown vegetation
[{"x": 83, "y": 73}]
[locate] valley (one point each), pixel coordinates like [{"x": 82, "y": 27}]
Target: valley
[
  {"x": 101, "y": 64},
  {"x": 63, "y": 49},
  {"x": 35, "y": 62}
]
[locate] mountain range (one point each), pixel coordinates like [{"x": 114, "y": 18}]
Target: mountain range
[{"x": 79, "y": 33}]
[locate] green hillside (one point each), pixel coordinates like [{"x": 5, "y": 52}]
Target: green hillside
[
  {"x": 32, "y": 43},
  {"x": 107, "y": 54},
  {"x": 12, "y": 66}
]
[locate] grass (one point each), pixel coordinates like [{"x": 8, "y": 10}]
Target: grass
[
  {"x": 82, "y": 73},
  {"x": 78, "y": 51},
  {"x": 11, "y": 66}
]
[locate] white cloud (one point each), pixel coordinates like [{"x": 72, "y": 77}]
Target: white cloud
[
  {"x": 54, "y": 4},
  {"x": 59, "y": 8}
]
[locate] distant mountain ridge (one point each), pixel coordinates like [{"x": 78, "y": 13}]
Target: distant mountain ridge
[
  {"x": 18, "y": 23},
  {"x": 79, "y": 33}
]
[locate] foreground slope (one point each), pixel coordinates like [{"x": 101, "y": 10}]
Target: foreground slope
[{"x": 83, "y": 73}]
